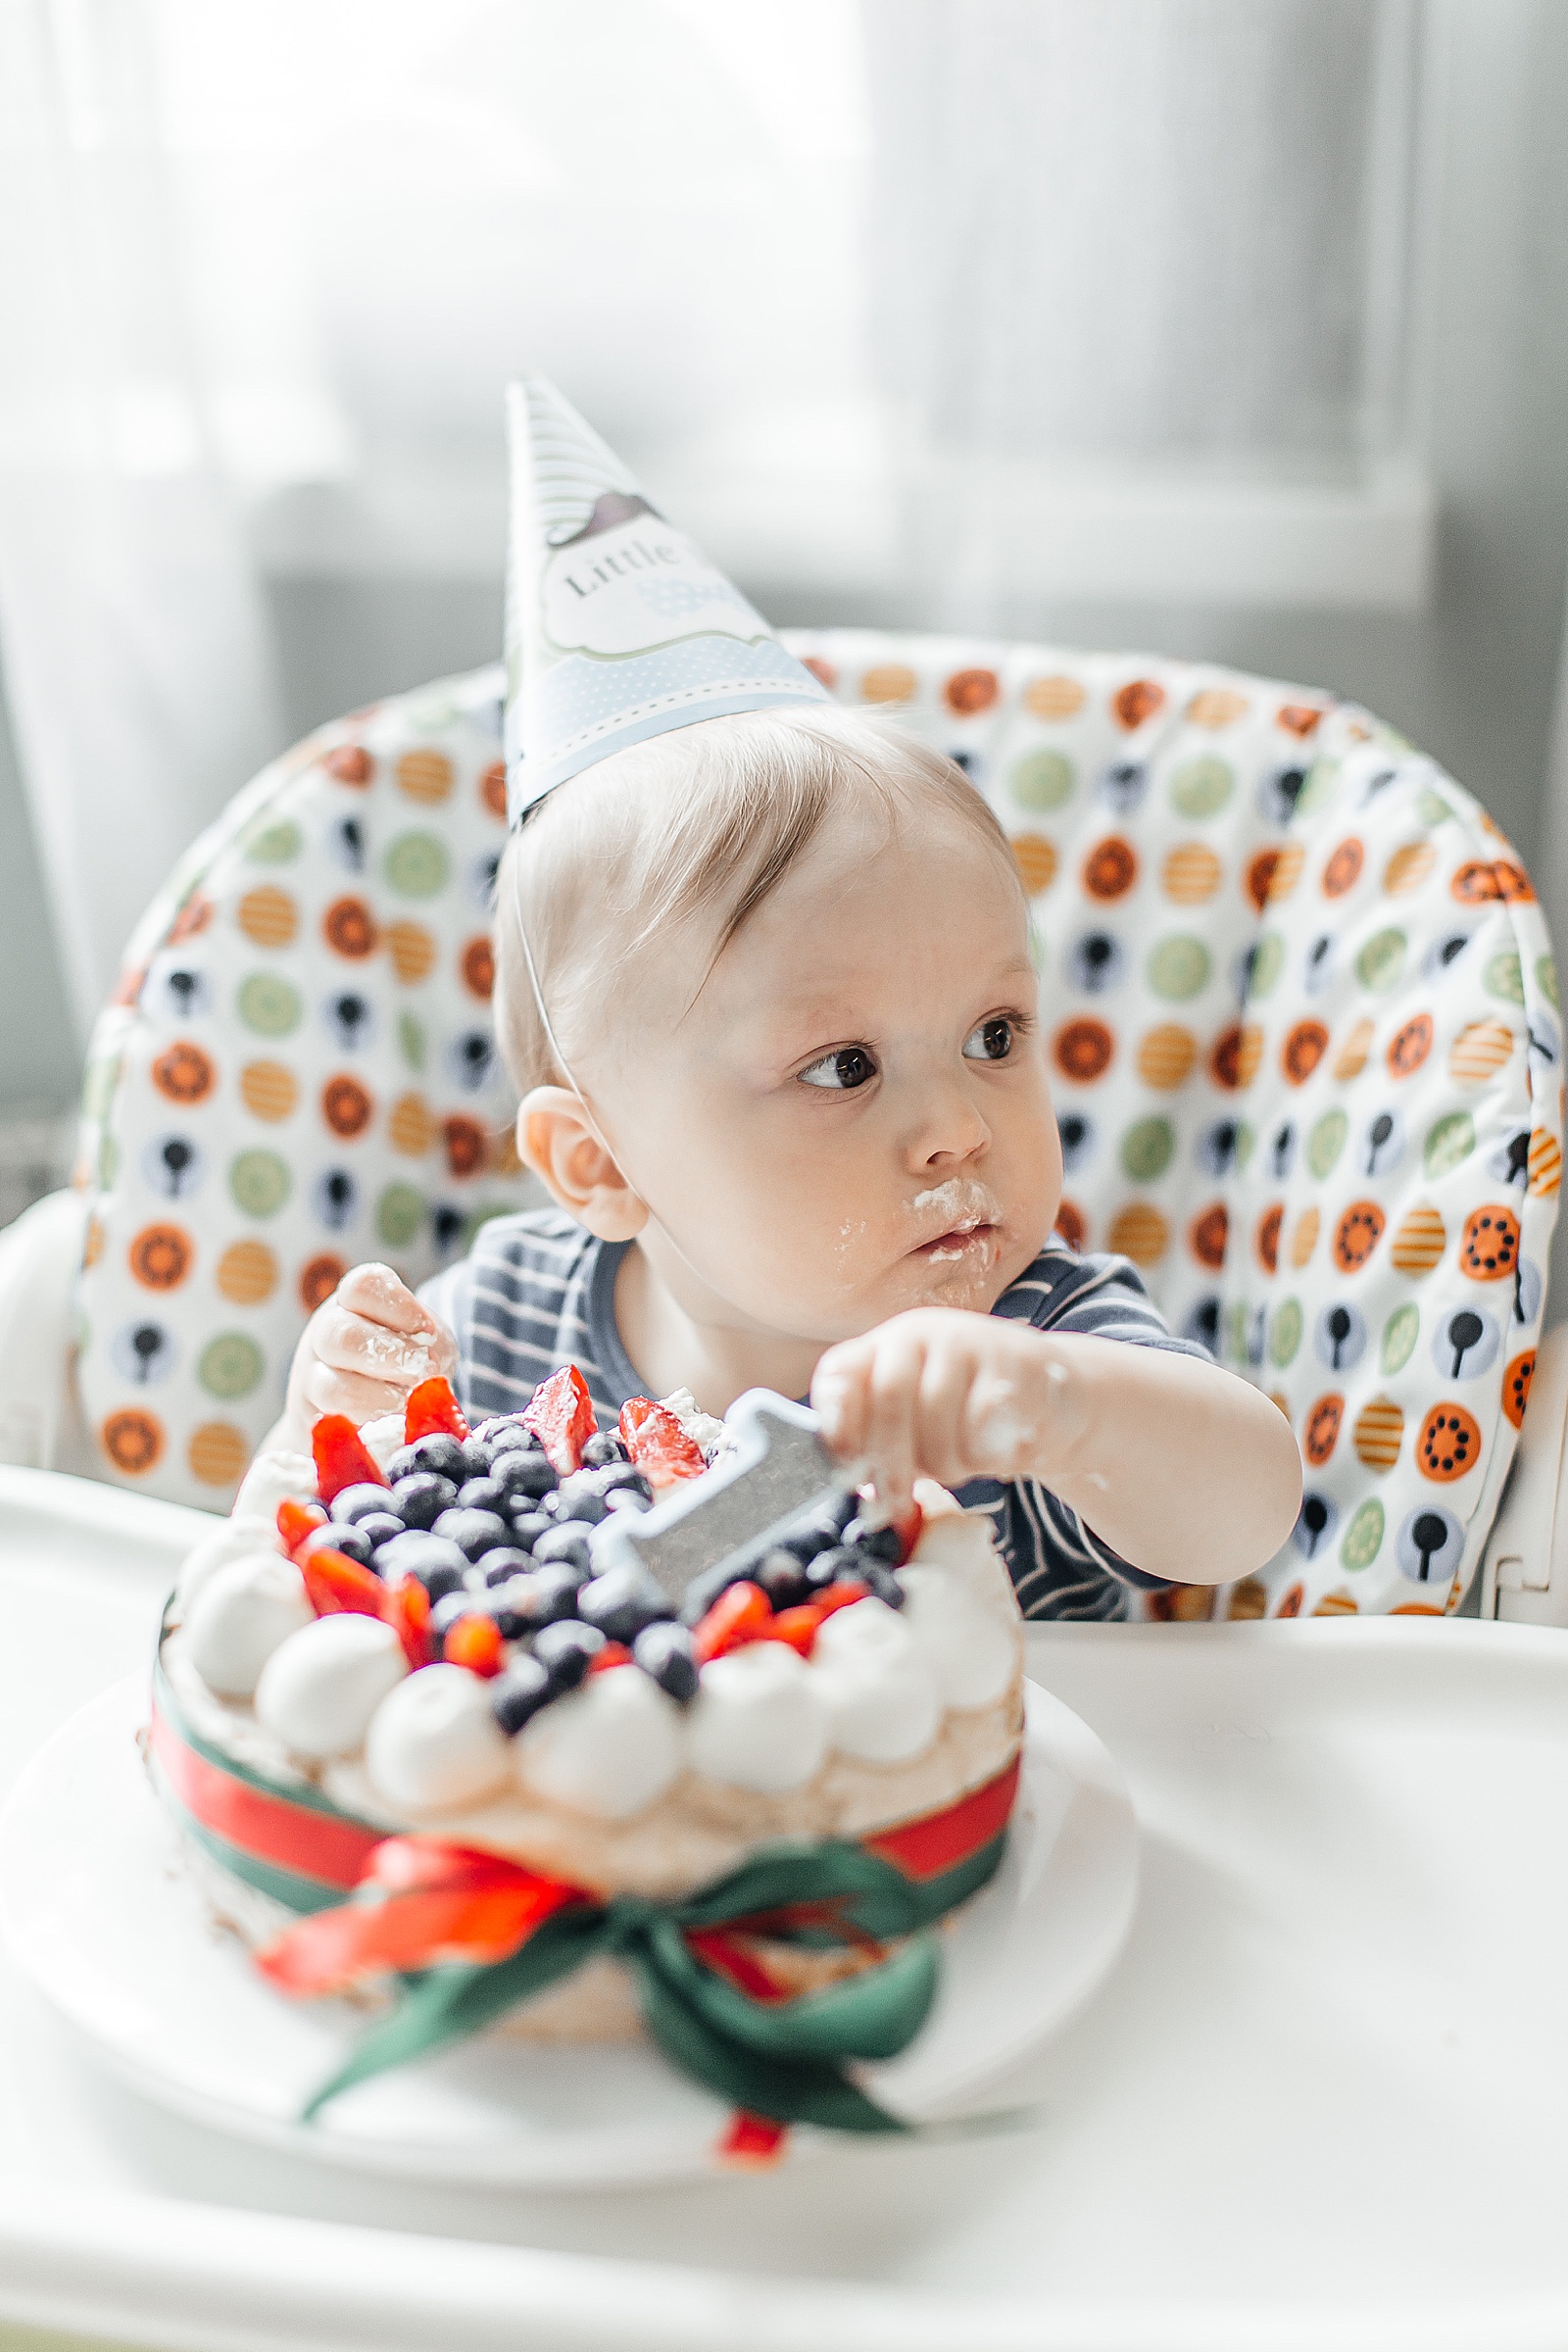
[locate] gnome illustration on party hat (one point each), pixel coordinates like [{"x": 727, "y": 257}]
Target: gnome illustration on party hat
[{"x": 617, "y": 626}]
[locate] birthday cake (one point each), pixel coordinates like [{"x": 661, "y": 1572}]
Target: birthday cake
[{"x": 436, "y": 1737}]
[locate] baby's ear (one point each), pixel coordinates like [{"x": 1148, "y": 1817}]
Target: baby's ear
[{"x": 558, "y": 1141}]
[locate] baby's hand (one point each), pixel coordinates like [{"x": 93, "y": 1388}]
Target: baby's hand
[
  {"x": 941, "y": 1393},
  {"x": 363, "y": 1351}
]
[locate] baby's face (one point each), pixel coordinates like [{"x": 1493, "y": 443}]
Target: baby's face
[{"x": 851, "y": 1117}]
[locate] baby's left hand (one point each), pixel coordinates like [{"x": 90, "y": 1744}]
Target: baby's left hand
[{"x": 945, "y": 1394}]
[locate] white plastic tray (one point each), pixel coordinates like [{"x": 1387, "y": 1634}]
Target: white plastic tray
[{"x": 1316, "y": 2104}]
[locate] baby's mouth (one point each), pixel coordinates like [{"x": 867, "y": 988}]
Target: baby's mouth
[
  {"x": 971, "y": 1239},
  {"x": 970, "y": 1232}
]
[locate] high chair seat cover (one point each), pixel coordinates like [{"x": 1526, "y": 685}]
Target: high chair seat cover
[{"x": 1301, "y": 1018}]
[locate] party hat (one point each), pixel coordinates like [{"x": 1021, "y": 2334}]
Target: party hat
[{"x": 617, "y": 626}]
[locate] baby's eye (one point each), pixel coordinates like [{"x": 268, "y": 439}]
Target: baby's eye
[
  {"x": 850, "y": 1066},
  {"x": 988, "y": 1041}
]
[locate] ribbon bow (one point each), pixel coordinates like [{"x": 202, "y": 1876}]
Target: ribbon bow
[{"x": 471, "y": 1934}]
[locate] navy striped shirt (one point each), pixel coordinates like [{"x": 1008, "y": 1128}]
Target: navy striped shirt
[{"x": 538, "y": 1291}]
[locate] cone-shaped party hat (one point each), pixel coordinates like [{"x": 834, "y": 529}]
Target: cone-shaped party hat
[{"x": 617, "y": 626}]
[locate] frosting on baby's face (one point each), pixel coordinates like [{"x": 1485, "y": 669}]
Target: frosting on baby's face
[{"x": 848, "y": 1116}]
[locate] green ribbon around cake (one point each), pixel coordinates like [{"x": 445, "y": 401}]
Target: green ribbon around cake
[{"x": 784, "y": 2059}]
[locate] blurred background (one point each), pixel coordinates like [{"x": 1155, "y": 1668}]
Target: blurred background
[{"x": 1234, "y": 328}]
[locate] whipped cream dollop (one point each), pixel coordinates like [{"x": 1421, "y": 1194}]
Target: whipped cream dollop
[
  {"x": 881, "y": 1694},
  {"x": 611, "y": 1748},
  {"x": 760, "y": 1720},
  {"x": 968, "y": 1646},
  {"x": 235, "y": 1539},
  {"x": 271, "y": 1479},
  {"x": 320, "y": 1688},
  {"x": 433, "y": 1744},
  {"x": 244, "y": 1611}
]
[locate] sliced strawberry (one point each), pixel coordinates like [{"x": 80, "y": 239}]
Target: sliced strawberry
[
  {"x": 433, "y": 1411},
  {"x": 742, "y": 1613},
  {"x": 473, "y": 1641},
  {"x": 295, "y": 1520},
  {"x": 841, "y": 1595},
  {"x": 562, "y": 1418},
  {"x": 909, "y": 1523},
  {"x": 338, "y": 1586},
  {"x": 796, "y": 1626},
  {"x": 341, "y": 1458},
  {"x": 657, "y": 1443},
  {"x": 406, "y": 1608},
  {"x": 614, "y": 1654}
]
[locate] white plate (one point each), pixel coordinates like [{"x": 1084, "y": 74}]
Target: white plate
[{"x": 100, "y": 1911}]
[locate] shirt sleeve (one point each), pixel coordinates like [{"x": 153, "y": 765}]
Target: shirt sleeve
[{"x": 1060, "y": 1567}]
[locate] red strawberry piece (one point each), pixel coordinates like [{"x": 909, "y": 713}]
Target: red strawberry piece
[
  {"x": 341, "y": 1459},
  {"x": 909, "y": 1524},
  {"x": 476, "y": 1642},
  {"x": 295, "y": 1520},
  {"x": 657, "y": 1443},
  {"x": 742, "y": 1613},
  {"x": 562, "y": 1418},
  {"x": 614, "y": 1654},
  {"x": 841, "y": 1595},
  {"x": 433, "y": 1411},
  {"x": 338, "y": 1586},
  {"x": 407, "y": 1610},
  {"x": 797, "y": 1626}
]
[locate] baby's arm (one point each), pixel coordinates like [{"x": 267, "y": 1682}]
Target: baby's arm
[
  {"x": 1180, "y": 1467},
  {"x": 360, "y": 1354}
]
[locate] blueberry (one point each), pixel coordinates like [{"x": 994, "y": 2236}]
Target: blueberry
[
  {"x": 878, "y": 1542},
  {"x": 519, "y": 1693},
  {"x": 567, "y": 1539},
  {"x": 378, "y": 1528},
  {"x": 832, "y": 1567},
  {"x": 704, "y": 1590},
  {"x": 581, "y": 1499},
  {"x": 882, "y": 1580},
  {"x": 484, "y": 1495},
  {"x": 518, "y": 1470},
  {"x": 349, "y": 1540},
  {"x": 438, "y": 1452},
  {"x": 528, "y": 1526},
  {"x": 501, "y": 1430},
  {"x": 781, "y": 1577},
  {"x": 422, "y": 1497},
  {"x": 356, "y": 1502},
  {"x": 565, "y": 1649},
  {"x": 623, "y": 1602},
  {"x": 603, "y": 1449},
  {"x": 619, "y": 1478},
  {"x": 664, "y": 1652},
  {"x": 495, "y": 1567},
  {"x": 474, "y": 1532},
  {"x": 554, "y": 1592},
  {"x": 628, "y": 1498},
  {"x": 515, "y": 1605},
  {"x": 439, "y": 1566},
  {"x": 817, "y": 1535},
  {"x": 525, "y": 1473}
]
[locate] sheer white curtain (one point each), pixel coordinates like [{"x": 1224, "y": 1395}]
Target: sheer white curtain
[{"x": 131, "y": 627}]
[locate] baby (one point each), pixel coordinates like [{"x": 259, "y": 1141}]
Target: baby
[{"x": 765, "y": 988}]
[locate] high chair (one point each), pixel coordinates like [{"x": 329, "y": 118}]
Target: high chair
[{"x": 1303, "y": 1030}]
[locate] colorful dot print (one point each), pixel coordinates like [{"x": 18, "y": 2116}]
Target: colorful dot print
[
  {"x": 298, "y": 1075},
  {"x": 1301, "y": 1028}
]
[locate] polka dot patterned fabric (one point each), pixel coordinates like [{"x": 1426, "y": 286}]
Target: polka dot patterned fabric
[
  {"x": 1303, "y": 1026},
  {"x": 296, "y": 1074},
  {"x": 1300, "y": 1017}
]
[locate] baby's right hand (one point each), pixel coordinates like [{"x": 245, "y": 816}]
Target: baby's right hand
[{"x": 363, "y": 1351}]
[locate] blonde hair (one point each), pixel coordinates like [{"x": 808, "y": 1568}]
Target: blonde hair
[{"x": 706, "y": 819}]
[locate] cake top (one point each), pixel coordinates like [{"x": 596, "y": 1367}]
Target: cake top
[{"x": 450, "y": 1618}]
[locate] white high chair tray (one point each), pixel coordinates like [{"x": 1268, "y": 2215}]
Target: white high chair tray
[{"x": 1314, "y": 2104}]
